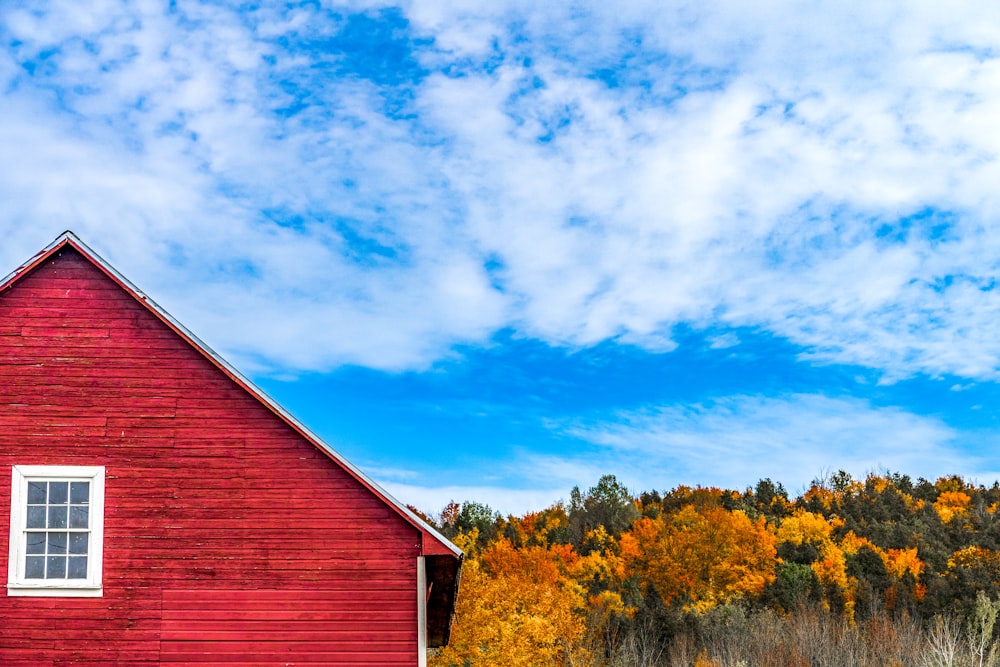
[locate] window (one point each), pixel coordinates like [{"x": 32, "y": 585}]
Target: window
[{"x": 56, "y": 531}]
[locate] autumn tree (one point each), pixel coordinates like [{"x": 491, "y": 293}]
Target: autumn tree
[
  {"x": 518, "y": 607},
  {"x": 702, "y": 555},
  {"x": 550, "y": 526},
  {"x": 610, "y": 577}
]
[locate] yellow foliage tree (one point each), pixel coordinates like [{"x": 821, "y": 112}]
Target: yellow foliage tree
[
  {"x": 806, "y": 526},
  {"x": 705, "y": 555},
  {"x": 900, "y": 561},
  {"x": 831, "y": 570},
  {"x": 987, "y": 561},
  {"x": 820, "y": 495},
  {"x": 851, "y": 543},
  {"x": 517, "y": 607},
  {"x": 951, "y": 504}
]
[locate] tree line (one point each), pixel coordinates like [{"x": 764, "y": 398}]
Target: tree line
[{"x": 884, "y": 570}]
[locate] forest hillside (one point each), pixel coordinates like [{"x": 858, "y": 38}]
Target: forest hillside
[{"x": 880, "y": 571}]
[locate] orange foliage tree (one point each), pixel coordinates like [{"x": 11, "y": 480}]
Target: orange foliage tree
[{"x": 703, "y": 555}]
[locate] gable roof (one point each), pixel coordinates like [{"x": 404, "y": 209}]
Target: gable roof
[{"x": 444, "y": 558}]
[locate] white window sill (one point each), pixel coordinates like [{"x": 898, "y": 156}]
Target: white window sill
[{"x": 14, "y": 590}]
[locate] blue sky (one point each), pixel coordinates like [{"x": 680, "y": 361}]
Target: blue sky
[{"x": 491, "y": 251}]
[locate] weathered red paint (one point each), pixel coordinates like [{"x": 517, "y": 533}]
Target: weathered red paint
[{"x": 231, "y": 535}]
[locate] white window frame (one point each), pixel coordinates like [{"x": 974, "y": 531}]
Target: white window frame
[{"x": 17, "y": 584}]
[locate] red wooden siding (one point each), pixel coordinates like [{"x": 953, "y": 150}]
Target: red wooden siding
[
  {"x": 228, "y": 536},
  {"x": 271, "y": 626}
]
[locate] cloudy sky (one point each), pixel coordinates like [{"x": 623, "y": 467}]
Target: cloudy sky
[{"x": 493, "y": 250}]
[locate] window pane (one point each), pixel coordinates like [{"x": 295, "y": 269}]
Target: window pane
[
  {"x": 79, "y": 493},
  {"x": 78, "y": 517},
  {"x": 57, "y": 543},
  {"x": 57, "y": 517},
  {"x": 78, "y": 543},
  {"x": 56, "y": 567},
  {"x": 78, "y": 568},
  {"x": 36, "y": 493},
  {"x": 34, "y": 567},
  {"x": 58, "y": 493},
  {"x": 36, "y": 543},
  {"x": 36, "y": 517}
]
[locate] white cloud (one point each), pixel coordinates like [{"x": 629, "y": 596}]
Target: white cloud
[
  {"x": 760, "y": 199},
  {"x": 749, "y": 168}
]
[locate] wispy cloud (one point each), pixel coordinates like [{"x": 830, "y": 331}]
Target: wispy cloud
[
  {"x": 730, "y": 442},
  {"x": 734, "y": 441}
]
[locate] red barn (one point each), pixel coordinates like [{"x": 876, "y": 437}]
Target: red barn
[{"x": 165, "y": 511}]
